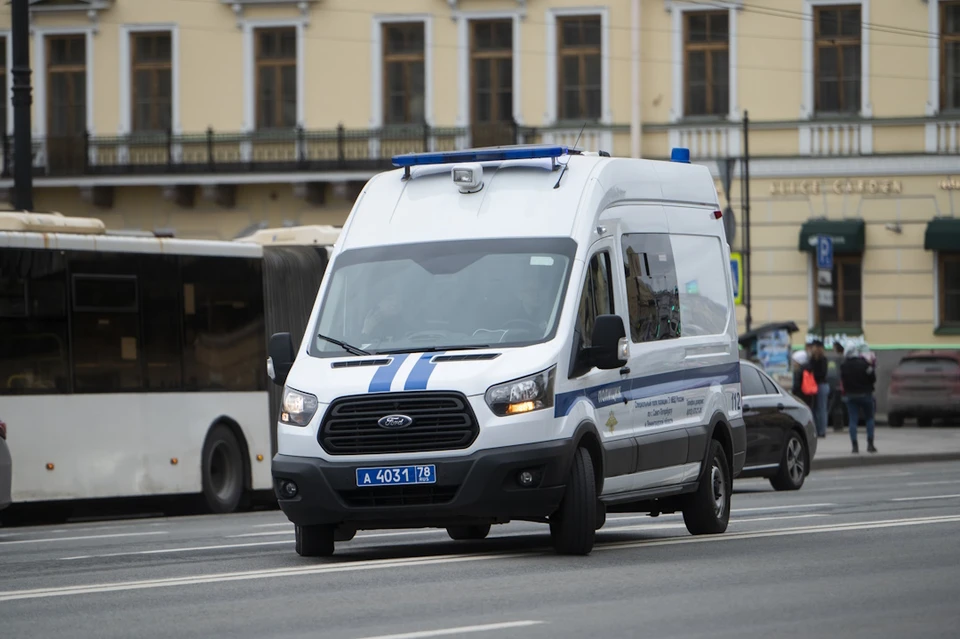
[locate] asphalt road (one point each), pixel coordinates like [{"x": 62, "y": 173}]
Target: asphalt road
[{"x": 870, "y": 552}]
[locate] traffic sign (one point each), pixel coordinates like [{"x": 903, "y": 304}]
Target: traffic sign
[
  {"x": 825, "y": 297},
  {"x": 736, "y": 270},
  {"x": 825, "y": 252}
]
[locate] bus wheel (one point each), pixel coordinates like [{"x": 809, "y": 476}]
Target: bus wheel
[{"x": 222, "y": 470}]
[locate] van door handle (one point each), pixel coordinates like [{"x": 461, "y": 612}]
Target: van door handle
[
  {"x": 780, "y": 407},
  {"x": 625, "y": 370}
]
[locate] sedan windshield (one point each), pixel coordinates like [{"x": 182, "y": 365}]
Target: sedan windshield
[{"x": 444, "y": 295}]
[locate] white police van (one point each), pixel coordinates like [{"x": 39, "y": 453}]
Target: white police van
[{"x": 522, "y": 333}]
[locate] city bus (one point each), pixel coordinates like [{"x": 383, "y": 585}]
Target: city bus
[{"x": 134, "y": 366}]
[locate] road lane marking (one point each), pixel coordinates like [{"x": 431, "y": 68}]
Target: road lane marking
[
  {"x": 955, "y": 482},
  {"x": 926, "y": 498},
  {"x": 805, "y": 530},
  {"x": 286, "y": 523},
  {"x": 381, "y": 564},
  {"x": 775, "y": 508},
  {"x": 162, "y": 551},
  {"x": 289, "y": 533},
  {"x": 461, "y": 630},
  {"x": 113, "y": 536}
]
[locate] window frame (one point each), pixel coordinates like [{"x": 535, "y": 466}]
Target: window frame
[
  {"x": 495, "y": 56},
  {"x": 944, "y": 39},
  {"x": 708, "y": 47},
  {"x": 580, "y": 51},
  {"x": 839, "y": 292},
  {"x": 154, "y": 68},
  {"x": 943, "y": 258},
  {"x": 837, "y": 42},
  {"x": 406, "y": 59},
  {"x": 50, "y": 69},
  {"x": 278, "y": 64}
]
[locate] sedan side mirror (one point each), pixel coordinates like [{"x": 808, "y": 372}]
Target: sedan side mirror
[
  {"x": 610, "y": 348},
  {"x": 280, "y": 357}
]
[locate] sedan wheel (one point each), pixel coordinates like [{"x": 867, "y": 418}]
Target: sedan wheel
[{"x": 793, "y": 466}]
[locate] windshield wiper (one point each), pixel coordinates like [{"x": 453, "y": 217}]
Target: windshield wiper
[
  {"x": 433, "y": 349},
  {"x": 344, "y": 345}
]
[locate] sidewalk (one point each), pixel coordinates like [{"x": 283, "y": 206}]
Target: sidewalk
[{"x": 895, "y": 445}]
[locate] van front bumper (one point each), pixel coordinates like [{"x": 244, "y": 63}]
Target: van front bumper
[{"x": 475, "y": 489}]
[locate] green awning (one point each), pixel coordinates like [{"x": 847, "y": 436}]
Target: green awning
[
  {"x": 943, "y": 234},
  {"x": 849, "y": 236}
]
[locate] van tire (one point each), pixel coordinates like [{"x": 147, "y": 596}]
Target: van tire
[
  {"x": 468, "y": 533},
  {"x": 314, "y": 541},
  {"x": 707, "y": 511},
  {"x": 222, "y": 470},
  {"x": 573, "y": 526}
]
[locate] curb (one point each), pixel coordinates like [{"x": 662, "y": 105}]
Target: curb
[{"x": 879, "y": 459}]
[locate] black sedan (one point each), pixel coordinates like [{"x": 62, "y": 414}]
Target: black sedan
[{"x": 781, "y": 436}]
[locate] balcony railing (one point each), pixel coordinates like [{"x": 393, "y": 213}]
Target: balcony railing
[{"x": 339, "y": 149}]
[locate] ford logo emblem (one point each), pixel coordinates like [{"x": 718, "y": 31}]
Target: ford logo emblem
[{"x": 395, "y": 421}]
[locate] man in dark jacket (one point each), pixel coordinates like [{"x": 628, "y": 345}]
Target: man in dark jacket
[{"x": 859, "y": 378}]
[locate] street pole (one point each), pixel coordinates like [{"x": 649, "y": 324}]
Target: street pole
[
  {"x": 745, "y": 185},
  {"x": 22, "y": 102}
]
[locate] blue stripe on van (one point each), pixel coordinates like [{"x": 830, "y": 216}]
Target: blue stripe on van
[
  {"x": 383, "y": 378},
  {"x": 638, "y": 388},
  {"x": 420, "y": 375}
]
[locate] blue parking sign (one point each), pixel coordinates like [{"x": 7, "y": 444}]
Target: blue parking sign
[
  {"x": 736, "y": 271},
  {"x": 825, "y": 252}
]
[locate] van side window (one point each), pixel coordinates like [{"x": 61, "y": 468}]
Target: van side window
[
  {"x": 596, "y": 299},
  {"x": 652, "y": 297}
]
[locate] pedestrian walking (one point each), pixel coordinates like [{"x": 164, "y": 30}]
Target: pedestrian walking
[
  {"x": 801, "y": 369},
  {"x": 859, "y": 379},
  {"x": 819, "y": 366}
]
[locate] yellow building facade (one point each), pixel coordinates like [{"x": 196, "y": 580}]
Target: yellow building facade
[{"x": 207, "y": 118}]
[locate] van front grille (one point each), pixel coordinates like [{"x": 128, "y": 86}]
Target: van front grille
[{"x": 440, "y": 421}]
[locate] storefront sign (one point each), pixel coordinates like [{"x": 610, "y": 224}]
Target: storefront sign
[
  {"x": 842, "y": 186},
  {"x": 951, "y": 184}
]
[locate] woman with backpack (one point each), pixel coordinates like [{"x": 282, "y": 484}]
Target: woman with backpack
[{"x": 804, "y": 385}]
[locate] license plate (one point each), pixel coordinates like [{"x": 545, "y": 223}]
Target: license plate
[{"x": 397, "y": 475}]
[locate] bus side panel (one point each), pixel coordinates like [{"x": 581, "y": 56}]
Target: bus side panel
[
  {"x": 291, "y": 279},
  {"x": 123, "y": 445}
]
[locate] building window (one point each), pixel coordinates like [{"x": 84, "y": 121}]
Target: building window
[
  {"x": 4, "y": 87},
  {"x": 706, "y": 41},
  {"x": 276, "y": 62},
  {"x": 950, "y": 55},
  {"x": 66, "y": 101},
  {"x": 152, "y": 86},
  {"x": 837, "y": 59},
  {"x": 404, "y": 63},
  {"x": 847, "y": 293},
  {"x": 491, "y": 79},
  {"x": 949, "y": 277},
  {"x": 580, "y": 78}
]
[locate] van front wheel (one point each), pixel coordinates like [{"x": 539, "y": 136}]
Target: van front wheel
[
  {"x": 573, "y": 526},
  {"x": 707, "y": 511}
]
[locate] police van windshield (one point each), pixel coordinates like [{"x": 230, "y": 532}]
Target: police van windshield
[{"x": 444, "y": 295}]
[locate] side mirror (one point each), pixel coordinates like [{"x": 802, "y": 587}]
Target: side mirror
[
  {"x": 280, "y": 357},
  {"x": 610, "y": 348}
]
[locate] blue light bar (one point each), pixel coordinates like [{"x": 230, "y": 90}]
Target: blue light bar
[
  {"x": 680, "y": 154},
  {"x": 521, "y": 152}
]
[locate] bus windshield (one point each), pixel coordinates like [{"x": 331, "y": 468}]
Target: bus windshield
[{"x": 444, "y": 295}]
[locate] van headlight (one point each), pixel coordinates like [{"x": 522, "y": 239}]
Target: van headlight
[
  {"x": 297, "y": 409},
  {"x": 522, "y": 395}
]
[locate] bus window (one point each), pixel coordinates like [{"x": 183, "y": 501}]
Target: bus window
[
  {"x": 33, "y": 322},
  {"x": 160, "y": 309},
  {"x": 105, "y": 322},
  {"x": 223, "y": 331}
]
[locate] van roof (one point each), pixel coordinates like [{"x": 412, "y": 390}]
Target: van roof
[{"x": 519, "y": 198}]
